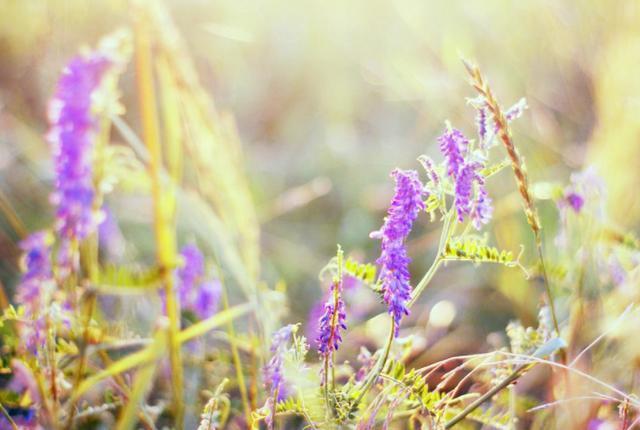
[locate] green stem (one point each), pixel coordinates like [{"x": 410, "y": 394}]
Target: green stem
[
  {"x": 379, "y": 366},
  {"x": 163, "y": 201},
  {"x": 425, "y": 281},
  {"x": 546, "y": 285},
  {"x": 447, "y": 231},
  {"x": 82, "y": 364}
]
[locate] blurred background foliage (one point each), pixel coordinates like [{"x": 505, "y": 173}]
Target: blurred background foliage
[{"x": 328, "y": 97}]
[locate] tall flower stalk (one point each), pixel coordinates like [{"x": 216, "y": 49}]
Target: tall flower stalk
[
  {"x": 163, "y": 204},
  {"x": 502, "y": 125}
]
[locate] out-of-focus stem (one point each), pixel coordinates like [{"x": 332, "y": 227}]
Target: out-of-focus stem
[
  {"x": 381, "y": 363},
  {"x": 237, "y": 363},
  {"x": 163, "y": 201},
  {"x": 8, "y": 417}
]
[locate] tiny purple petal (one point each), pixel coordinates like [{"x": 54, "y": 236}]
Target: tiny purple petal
[{"x": 575, "y": 201}]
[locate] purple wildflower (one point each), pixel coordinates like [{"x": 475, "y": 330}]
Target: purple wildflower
[
  {"x": 481, "y": 122},
  {"x": 37, "y": 270},
  {"x": 453, "y": 145},
  {"x": 367, "y": 361},
  {"x": 464, "y": 190},
  {"x": 31, "y": 290},
  {"x": 191, "y": 271},
  {"x": 429, "y": 167},
  {"x": 73, "y": 126},
  {"x": 196, "y": 294},
  {"x": 516, "y": 111},
  {"x": 475, "y": 205},
  {"x": 586, "y": 191},
  {"x": 394, "y": 261},
  {"x": 273, "y": 376},
  {"x": 482, "y": 210},
  {"x": 207, "y": 299},
  {"x": 331, "y": 322}
]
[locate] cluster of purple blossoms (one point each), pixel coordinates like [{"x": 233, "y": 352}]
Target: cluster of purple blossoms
[
  {"x": 194, "y": 292},
  {"x": 471, "y": 197},
  {"x": 31, "y": 289},
  {"x": 331, "y": 323},
  {"x": 453, "y": 145},
  {"x": 73, "y": 127},
  {"x": 394, "y": 261}
]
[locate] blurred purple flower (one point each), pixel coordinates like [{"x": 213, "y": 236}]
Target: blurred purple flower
[
  {"x": 206, "y": 299},
  {"x": 394, "y": 261},
  {"x": 73, "y": 126},
  {"x": 617, "y": 273},
  {"x": 31, "y": 290},
  {"x": 110, "y": 236},
  {"x": 37, "y": 269},
  {"x": 586, "y": 190},
  {"x": 194, "y": 292},
  {"x": 516, "y": 111},
  {"x": 272, "y": 372},
  {"x": 367, "y": 361}
]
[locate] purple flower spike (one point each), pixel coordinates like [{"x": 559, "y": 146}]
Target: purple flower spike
[
  {"x": 481, "y": 122},
  {"x": 453, "y": 145},
  {"x": 331, "y": 323},
  {"x": 73, "y": 127},
  {"x": 394, "y": 261}
]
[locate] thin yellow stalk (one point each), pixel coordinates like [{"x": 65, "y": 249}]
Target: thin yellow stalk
[
  {"x": 163, "y": 201},
  {"x": 237, "y": 363}
]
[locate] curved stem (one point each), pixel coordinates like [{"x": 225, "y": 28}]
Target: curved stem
[
  {"x": 381, "y": 363},
  {"x": 425, "y": 281}
]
